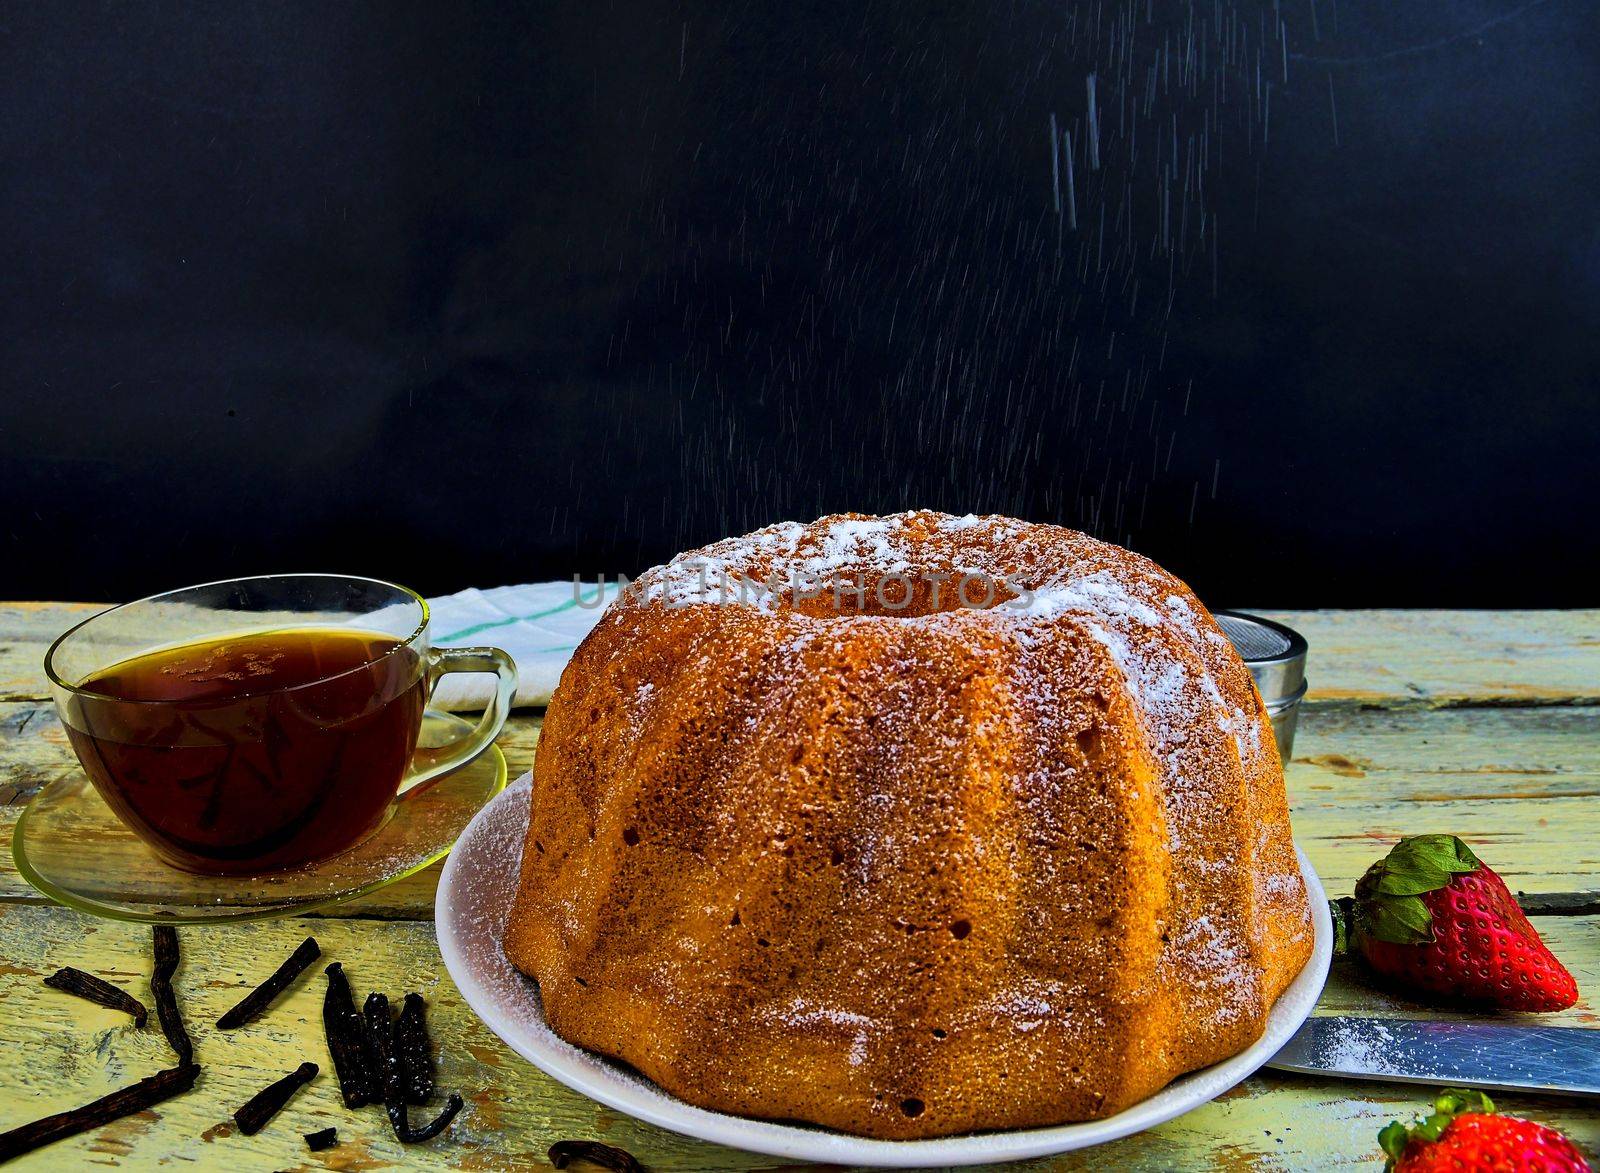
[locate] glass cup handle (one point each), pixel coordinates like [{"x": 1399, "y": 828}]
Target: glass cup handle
[{"x": 428, "y": 763}]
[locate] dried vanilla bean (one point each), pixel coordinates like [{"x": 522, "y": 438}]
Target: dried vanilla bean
[
  {"x": 384, "y": 1054},
  {"x": 267, "y": 1102},
  {"x": 604, "y": 1155},
  {"x": 323, "y": 1139},
  {"x": 358, "y": 1080},
  {"x": 99, "y": 991},
  {"x": 409, "y": 1135},
  {"x": 166, "y": 964},
  {"x": 379, "y": 1037},
  {"x": 257, "y": 1000},
  {"x": 147, "y": 1093},
  {"x": 414, "y": 1049}
]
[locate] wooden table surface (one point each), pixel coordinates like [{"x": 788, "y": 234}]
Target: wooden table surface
[{"x": 1484, "y": 724}]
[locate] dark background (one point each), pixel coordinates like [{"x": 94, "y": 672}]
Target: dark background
[{"x": 474, "y": 293}]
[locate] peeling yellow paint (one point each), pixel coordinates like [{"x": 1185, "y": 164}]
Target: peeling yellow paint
[{"x": 1337, "y": 763}]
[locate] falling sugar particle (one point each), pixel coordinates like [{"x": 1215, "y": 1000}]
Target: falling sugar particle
[
  {"x": 1333, "y": 108},
  {"x": 1094, "y": 126},
  {"x": 993, "y": 300},
  {"x": 1072, "y": 191},
  {"x": 1055, "y": 162}
]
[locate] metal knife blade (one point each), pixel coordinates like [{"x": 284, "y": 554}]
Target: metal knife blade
[{"x": 1559, "y": 1059}]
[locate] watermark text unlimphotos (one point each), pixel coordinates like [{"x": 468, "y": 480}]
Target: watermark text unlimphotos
[{"x": 707, "y": 581}]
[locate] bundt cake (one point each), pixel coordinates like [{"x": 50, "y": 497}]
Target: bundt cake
[{"x": 909, "y": 826}]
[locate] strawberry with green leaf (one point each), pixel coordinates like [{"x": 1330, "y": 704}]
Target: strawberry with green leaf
[
  {"x": 1435, "y": 918},
  {"x": 1464, "y": 1134}
]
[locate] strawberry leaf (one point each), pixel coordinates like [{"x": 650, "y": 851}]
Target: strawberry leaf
[
  {"x": 1388, "y": 893},
  {"x": 1392, "y": 1138},
  {"x": 1343, "y": 913},
  {"x": 1403, "y": 920},
  {"x": 1453, "y": 1101},
  {"x": 1436, "y": 853},
  {"x": 1431, "y": 1127},
  {"x": 1392, "y": 883}
]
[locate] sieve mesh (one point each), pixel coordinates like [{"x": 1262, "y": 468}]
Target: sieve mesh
[{"x": 1253, "y": 641}]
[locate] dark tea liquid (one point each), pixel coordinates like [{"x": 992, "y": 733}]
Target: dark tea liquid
[{"x": 253, "y": 752}]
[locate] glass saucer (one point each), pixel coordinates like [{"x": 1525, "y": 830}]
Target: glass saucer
[{"x": 71, "y": 847}]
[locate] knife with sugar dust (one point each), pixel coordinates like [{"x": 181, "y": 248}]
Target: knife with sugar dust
[{"x": 1561, "y": 1060}]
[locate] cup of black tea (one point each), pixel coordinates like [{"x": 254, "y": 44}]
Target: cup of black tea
[{"x": 258, "y": 724}]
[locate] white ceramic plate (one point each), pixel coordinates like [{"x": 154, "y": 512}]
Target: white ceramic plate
[{"x": 475, "y": 894}]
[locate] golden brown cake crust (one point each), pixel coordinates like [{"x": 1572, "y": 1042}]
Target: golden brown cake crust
[{"x": 914, "y": 873}]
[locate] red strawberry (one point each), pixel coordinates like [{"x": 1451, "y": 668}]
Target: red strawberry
[
  {"x": 1434, "y": 917},
  {"x": 1463, "y": 1134}
]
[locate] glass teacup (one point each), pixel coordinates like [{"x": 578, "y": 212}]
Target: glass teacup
[{"x": 257, "y": 724}]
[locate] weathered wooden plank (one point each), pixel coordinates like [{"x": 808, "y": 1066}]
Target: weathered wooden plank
[
  {"x": 26, "y": 631},
  {"x": 61, "y": 1052},
  {"x": 1519, "y": 783},
  {"x": 1416, "y": 657},
  {"x": 1402, "y": 756},
  {"x": 33, "y": 750},
  {"x": 1450, "y": 657}
]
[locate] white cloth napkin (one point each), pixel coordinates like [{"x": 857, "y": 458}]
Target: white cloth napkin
[{"x": 539, "y": 623}]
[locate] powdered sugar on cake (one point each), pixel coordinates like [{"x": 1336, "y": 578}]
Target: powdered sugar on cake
[
  {"x": 1020, "y": 757},
  {"x": 1124, "y": 612}
]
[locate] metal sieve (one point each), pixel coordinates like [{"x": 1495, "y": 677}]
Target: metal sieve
[{"x": 1276, "y": 657}]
